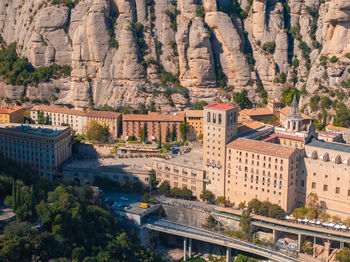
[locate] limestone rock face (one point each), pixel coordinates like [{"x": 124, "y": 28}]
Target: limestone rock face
[
  {"x": 228, "y": 48},
  {"x": 132, "y": 52}
]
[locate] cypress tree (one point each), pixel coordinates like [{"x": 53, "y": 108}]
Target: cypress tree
[
  {"x": 160, "y": 138},
  {"x": 13, "y": 201}
]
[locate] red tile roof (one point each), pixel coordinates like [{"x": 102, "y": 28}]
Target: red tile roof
[
  {"x": 256, "y": 111},
  {"x": 262, "y": 147},
  {"x": 56, "y": 109},
  {"x": 249, "y": 126},
  {"x": 220, "y": 106},
  {"x": 9, "y": 109},
  {"x": 103, "y": 114},
  {"x": 291, "y": 137},
  {"x": 153, "y": 117},
  {"x": 337, "y": 128}
]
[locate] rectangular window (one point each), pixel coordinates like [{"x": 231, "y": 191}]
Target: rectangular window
[
  {"x": 337, "y": 190},
  {"x": 325, "y": 187},
  {"x": 313, "y": 185}
]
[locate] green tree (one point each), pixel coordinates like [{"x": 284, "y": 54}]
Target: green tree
[
  {"x": 242, "y": 205},
  {"x": 200, "y": 11},
  {"x": 186, "y": 193},
  {"x": 343, "y": 255},
  {"x": 97, "y": 132},
  {"x": 307, "y": 247},
  {"x": 288, "y": 94},
  {"x": 241, "y": 99},
  {"x": 221, "y": 200},
  {"x": 184, "y": 127},
  {"x": 143, "y": 133},
  {"x": 254, "y": 205},
  {"x": 300, "y": 212},
  {"x": 41, "y": 118},
  {"x": 199, "y": 105},
  {"x": 153, "y": 182},
  {"x": 244, "y": 224},
  {"x": 269, "y": 47},
  {"x": 207, "y": 196},
  {"x": 160, "y": 138},
  {"x": 326, "y": 102},
  {"x": 164, "y": 188}
]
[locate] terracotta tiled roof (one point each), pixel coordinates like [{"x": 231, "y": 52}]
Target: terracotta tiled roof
[
  {"x": 291, "y": 137},
  {"x": 257, "y": 111},
  {"x": 56, "y": 109},
  {"x": 220, "y": 106},
  {"x": 285, "y": 111},
  {"x": 262, "y": 147},
  {"x": 9, "y": 109},
  {"x": 194, "y": 113},
  {"x": 103, "y": 114},
  {"x": 249, "y": 126},
  {"x": 153, "y": 117},
  {"x": 337, "y": 128},
  {"x": 327, "y": 133}
]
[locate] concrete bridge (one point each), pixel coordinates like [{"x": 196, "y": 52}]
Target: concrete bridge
[{"x": 191, "y": 232}]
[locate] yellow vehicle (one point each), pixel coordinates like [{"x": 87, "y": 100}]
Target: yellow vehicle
[{"x": 144, "y": 205}]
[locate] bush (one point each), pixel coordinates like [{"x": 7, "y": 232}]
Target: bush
[
  {"x": 18, "y": 71},
  {"x": 333, "y": 59},
  {"x": 200, "y": 11},
  {"x": 241, "y": 99},
  {"x": 97, "y": 132},
  {"x": 269, "y": 47}
]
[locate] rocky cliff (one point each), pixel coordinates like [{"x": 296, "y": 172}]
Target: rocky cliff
[{"x": 174, "y": 52}]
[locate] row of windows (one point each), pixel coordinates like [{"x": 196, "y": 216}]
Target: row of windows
[
  {"x": 258, "y": 157},
  {"x": 325, "y": 188}
]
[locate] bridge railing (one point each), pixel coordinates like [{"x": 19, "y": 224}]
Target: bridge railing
[{"x": 219, "y": 236}]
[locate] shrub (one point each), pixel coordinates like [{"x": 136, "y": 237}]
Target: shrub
[
  {"x": 269, "y": 47},
  {"x": 333, "y": 59},
  {"x": 200, "y": 11}
]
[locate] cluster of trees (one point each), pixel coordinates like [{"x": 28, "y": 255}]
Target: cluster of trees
[
  {"x": 242, "y": 99},
  {"x": 18, "y": 71},
  {"x": 97, "y": 132},
  {"x": 175, "y": 192},
  {"x": 75, "y": 226},
  {"x": 265, "y": 208},
  {"x": 314, "y": 210}
]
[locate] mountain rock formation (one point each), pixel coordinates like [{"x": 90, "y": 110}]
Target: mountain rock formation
[{"x": 130, "y": 52}]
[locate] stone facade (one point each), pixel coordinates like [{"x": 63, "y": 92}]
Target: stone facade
[
  {"x": 220, "y": 126},
  {"x": 11, "y": 114},
  {"x": 43, "y": 148}
]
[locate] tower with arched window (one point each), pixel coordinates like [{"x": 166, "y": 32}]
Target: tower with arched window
[
  {"x": 294, "y": 120},
  {"x": 220, "y": 126}
]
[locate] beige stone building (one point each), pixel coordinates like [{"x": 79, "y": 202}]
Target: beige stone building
[
  {"x": 78, "y": 120},
  {"x": 220, "y": 126},
  {"x": 112, "y": 119},
  {"x": 194, "y": 118},
  {"x": 43, "y": 148},
  {"x": 183, "y": 171},
  {"x": 325, "y": 170},
  {"x": 11, "y": 114},
  {"x": 57, "y": 116},
  {"x": 256, "y": 169}
]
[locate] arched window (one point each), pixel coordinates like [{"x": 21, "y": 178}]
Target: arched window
[
  {"x": 235, "y": 117},
  {"x": 325, "y": 157},
  {"x": 288, "y": 125},
  {"x": 338, "y": 159},
  {"x": 208, "y": 117},
  {"x": 314, "y": 155},
  {"x": 220, "y": 119},
  {"x": 294, "y": 126},
  {"x": 214, "y": 118}
]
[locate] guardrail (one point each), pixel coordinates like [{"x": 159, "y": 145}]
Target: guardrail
[{"x": 216, "y": 238}]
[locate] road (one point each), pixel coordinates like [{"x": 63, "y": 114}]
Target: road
[{"x": 170, "y": 227}]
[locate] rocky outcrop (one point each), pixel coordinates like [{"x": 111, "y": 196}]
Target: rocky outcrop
[{"x": 122, "y": 51}]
